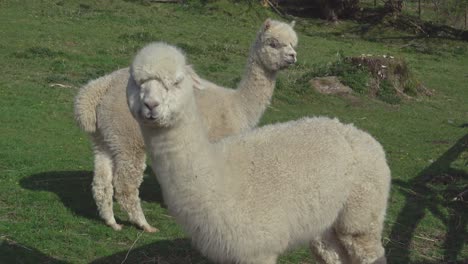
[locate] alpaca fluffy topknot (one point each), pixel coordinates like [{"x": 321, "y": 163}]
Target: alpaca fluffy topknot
[
  {"x": 280, "y": 30},
  {"x": 169, "y": 69}
]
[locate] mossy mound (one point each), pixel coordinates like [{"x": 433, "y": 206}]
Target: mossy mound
[
  {"x": 383, "y": 77},
  {"x": 390, "y": 77}
]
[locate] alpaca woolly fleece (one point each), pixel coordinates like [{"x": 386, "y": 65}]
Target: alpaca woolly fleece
[
  {"x": 119, "y": 157},
  {"x": 248, "y": 198}
]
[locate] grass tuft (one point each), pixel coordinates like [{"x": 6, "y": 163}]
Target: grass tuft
[{"x": 37, "y": 52}]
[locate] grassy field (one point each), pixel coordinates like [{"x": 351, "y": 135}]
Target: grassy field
[{"x": 48, "y": 49}]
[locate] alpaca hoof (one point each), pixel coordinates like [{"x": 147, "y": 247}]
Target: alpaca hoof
[
  {"x": 116, "y": 226},
  {"x": 381, "y": 260},
  {"x": 150, "y": 229}
]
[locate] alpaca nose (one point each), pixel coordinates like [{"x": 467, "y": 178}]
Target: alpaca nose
[
  {"x": 292, "y": 57},
  {"x": 151, "y": 104}
]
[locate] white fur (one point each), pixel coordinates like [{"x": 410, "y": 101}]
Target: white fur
[
  {"x": 101, "y": 110},
  {"x": 248, "y": 198}
]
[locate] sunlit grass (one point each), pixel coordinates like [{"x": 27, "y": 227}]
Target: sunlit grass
[{"x": 46, "y": 208}]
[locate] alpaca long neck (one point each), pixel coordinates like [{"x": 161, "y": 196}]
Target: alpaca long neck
[
  {"x": 182, "y": 156},
  {"x": 256, "y": 89}
]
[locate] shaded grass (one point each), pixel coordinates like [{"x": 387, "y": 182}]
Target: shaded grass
[{"x": 46, "y": 209}]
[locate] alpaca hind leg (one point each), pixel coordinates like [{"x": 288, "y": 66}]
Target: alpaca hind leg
[
  {"x": 127, "y": 180},
  {"x": 102, "y": 184},
  {"x": 327, "y": 249}
]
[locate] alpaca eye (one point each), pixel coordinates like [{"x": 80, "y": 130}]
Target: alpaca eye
[
  {"x": 178, "y": 80},
  {"x": 274, "y": 44}
]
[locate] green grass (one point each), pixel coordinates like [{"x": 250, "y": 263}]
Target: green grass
[{"x": 47, "y": 214}]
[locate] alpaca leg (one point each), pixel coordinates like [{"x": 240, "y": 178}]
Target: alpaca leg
[
  {"x": 359, "y": 226},
  {"x": 364, "y": 248},
  {"x": 102, "y": 184},
  {"x": 262, "y": 260},
  {"x": 327, "y": 249},
  {"x": 127, "y": 180}
]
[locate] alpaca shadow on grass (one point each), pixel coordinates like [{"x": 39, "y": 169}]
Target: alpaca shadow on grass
[
  {"x": 72, "y": 187},
  {"x": 178, "y": 251},
  {"x": 433, "y": 188},
  {"x": 150, "y": 190},
  {"x": 12, "y": 252},
  {"x": 74, "y": 190}
]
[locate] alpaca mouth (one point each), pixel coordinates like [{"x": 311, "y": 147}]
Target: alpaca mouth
[
  {"x": 152, "y": 121},
  {"x": 149, "y": 117},
  {"x": 290, "y": 61},
  {"x": 149, "y": 120},
  {"x": 156, "y": 120},
  {"x": 287, "y": 63}
]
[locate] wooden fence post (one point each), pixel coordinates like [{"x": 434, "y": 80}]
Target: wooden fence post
[
  {"x": 419, "y": 8},
  {"x": 466, "y": 14}
]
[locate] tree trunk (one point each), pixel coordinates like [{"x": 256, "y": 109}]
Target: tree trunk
[
  {"x": 394, "y": 6},
  {"x": 419, "y": 8},
  {"x": 333, "y": 9},
  {"x": 466, "y": 14}
]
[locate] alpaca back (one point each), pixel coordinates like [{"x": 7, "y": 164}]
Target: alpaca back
[
  {"x": 115, "y": 122},
  {"x": 221, "y": 112},
  {"x": 90, "y": 96}
]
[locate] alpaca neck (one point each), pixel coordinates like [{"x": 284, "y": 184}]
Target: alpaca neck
[
  {"x": 182, "y": 157},
  {"x": 256, "y": 89}
]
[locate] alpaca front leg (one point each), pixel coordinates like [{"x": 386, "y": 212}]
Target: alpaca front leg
[
  {"x": 327, "y": 249},
  {"x": 127, "y": 180},
  {"x": 365, "y": 248},
  {"x": 360, "y": 224},
  {"x": 102, "y": 185},
  {"x": 362, "y": 239},
  {"x": 262, "y": 260}
]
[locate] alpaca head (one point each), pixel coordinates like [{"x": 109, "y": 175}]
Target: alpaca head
[
  {"x": 160, "y": 85},
  {"x": 275, "y": 44}
]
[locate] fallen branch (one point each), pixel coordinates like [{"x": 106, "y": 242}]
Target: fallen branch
[
  {"x": 61, "y": 85},
  {"x": 425, "y": 238},
  {"x": 130, "y": 249},
  {"x": 166, "y": 1},
  {"x": 418, "y": 27},
  {"x": 460, "y": 197},
  {"x": 273, "y": 7}
]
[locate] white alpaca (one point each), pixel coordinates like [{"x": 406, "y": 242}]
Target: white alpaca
[
  {"x": 248, "y": 198},
  {"x": 101, "y": 110}
]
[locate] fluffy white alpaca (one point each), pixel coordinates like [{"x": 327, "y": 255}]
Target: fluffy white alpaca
[
  {"x": 119, "y": 157},
  {"x": 248, "y": 198}
]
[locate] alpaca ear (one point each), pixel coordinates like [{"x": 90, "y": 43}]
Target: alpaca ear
[
  {"x": 293, "y": 23},
  {"x": 197, "y": 83},
  {"x": 267, "y": 24}
]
